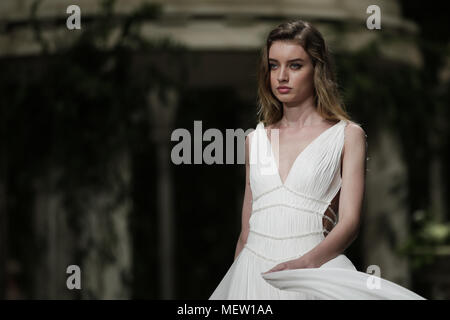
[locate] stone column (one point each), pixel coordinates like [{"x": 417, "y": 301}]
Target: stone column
[
  {"x": 162, "y": 111},
  {"x": 107, "y": 263},
  {"x": 386, "y": 220}
]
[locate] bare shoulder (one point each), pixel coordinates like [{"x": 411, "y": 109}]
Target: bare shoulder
[
  {"x": 355, "y": 136},
  {"x": 354, "y": 131}
]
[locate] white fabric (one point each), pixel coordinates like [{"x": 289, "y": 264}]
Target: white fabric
[{"x": 287, "y": 221}]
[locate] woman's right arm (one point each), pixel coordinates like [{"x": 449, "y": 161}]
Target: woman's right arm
[{"x": 247, "y": 203}]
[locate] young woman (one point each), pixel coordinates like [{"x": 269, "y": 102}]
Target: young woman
[{"x": 305, "y": 162}]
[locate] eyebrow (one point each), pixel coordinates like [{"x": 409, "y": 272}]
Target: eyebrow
[{"x": 297, "y": 59}]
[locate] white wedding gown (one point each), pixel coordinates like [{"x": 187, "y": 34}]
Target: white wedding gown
[{"x": 287, "y": 221}]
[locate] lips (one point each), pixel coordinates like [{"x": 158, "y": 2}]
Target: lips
[{"x": 283, "y": 89}]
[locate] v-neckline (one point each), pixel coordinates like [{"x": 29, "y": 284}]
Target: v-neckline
[{"x": 298, "y": 156}]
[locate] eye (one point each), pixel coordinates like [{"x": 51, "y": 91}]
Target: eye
[
  {"x": 271, "y": 65},
  {"x": 296, "y": 65}
]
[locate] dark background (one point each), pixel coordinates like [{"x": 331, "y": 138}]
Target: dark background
[{"x": 73, "y": 114}]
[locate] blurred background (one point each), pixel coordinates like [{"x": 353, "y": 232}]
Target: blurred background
[{"x": 86, "y": 117}]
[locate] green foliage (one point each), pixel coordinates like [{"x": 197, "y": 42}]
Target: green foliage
[
  {"x": 384, "y": 94},
  {"x": 75, "y": 108},
  {"x": 429, "y": 237},
  {"x": 79, "y": 107}
]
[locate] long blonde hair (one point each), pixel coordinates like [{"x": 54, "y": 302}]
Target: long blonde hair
[{"x": 326, "y": 95}]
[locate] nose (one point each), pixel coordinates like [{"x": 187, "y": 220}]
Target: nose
[{"x": 282, "y": 75}]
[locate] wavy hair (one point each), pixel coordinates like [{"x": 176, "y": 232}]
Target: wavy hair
[{"x": 327, "y": 98}]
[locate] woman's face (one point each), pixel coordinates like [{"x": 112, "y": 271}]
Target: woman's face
[{"x": 290, "y": 66}]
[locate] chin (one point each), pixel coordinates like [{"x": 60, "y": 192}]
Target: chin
[{"x": 284, "y": 99}]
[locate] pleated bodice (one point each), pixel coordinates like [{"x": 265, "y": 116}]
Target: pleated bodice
[{"x": 287, "y": 218}]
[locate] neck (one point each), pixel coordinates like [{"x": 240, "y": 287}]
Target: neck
[{"x": 300, "y": 115}]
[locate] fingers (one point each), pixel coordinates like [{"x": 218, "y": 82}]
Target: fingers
[{"x": 279, "y": 267}]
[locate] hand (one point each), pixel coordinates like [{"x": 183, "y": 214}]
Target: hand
[{"x": 299, "y": 263}]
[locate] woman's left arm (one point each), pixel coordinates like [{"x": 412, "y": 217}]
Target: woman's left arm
[{"x": 350, "y": 204}]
